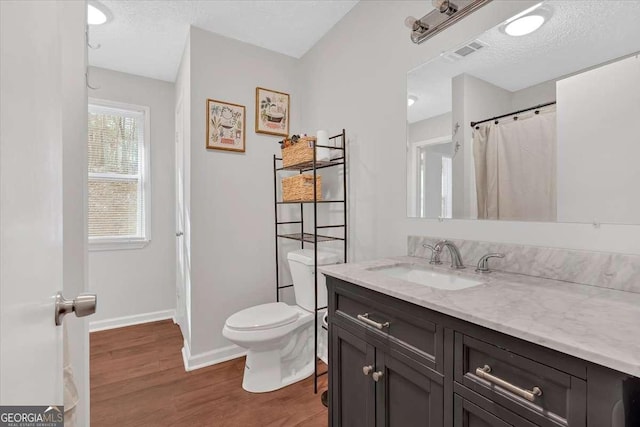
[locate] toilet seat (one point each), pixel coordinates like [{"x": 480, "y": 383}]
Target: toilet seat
[{"x": 264, "y": 316}]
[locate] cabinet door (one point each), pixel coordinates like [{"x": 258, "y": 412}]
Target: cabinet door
[
  {"x": 352, "y": 391},
  {"x": 406, "y": 397}
]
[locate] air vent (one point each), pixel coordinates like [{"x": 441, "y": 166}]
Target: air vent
[{"x": 463, "y": 51}]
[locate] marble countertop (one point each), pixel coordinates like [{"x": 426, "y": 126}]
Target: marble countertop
[{"x": 595, "y": 324}]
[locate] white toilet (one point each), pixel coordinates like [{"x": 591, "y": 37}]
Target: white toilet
[{"x": 279, "y": 337}]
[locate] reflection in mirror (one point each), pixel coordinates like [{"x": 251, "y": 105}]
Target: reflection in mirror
[{"x": 534, "y": 120}]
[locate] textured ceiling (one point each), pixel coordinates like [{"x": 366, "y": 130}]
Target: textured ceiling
[
  {"x": 577, "y": 35},
  {"x": 147, "y": 37}
]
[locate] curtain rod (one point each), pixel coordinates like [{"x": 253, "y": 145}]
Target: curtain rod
[{"x": 473, "y": 124}]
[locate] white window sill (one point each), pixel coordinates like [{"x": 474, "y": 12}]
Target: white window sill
[{"x": 116, "y": 244}]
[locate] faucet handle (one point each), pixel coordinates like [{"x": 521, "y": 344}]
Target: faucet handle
[
  {"x": 483, "y": 263},
  {"x": 435, "y": 254}
]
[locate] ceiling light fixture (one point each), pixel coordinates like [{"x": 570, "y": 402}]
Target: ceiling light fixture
[
  {"x": 527, "y": 21},
  {"x": 97, "y": 14},
  {"x": 525, "y": 25},
  {"x": 411, "y": 100}
]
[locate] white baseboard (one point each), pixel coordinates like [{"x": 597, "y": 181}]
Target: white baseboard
[
  {"x": 201, "y": 360},
  {"x": 136, "y": 319}
]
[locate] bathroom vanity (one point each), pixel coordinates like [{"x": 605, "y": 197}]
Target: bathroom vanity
[{"x": 506, "y": 350}]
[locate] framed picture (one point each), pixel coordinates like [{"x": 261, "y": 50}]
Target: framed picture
[
  {"x": 272, "y": 112},
  {"x": 225, "y": 126}
]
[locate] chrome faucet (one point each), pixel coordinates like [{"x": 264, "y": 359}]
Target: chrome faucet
[
  {"x": 435, "y": 254},
  {"x": 456, "y": 258},
  {"x": 483, "y": 263}
]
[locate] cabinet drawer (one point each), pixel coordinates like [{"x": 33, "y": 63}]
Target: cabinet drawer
[
  {"x": 399, "y": 322},
  {"x": 467, "y": 413},
  {"x": 515, "y": 381}
]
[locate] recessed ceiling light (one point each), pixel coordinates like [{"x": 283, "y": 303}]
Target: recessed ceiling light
[
  {"x": 525, "y": 25},
  {"x": 411, "y": 100},
  {"x": 96, "y": 14}
]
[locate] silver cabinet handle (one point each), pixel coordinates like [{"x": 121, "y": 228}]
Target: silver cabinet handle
[
  {"x": 365, "y": 318},
  {"x": 82, "y": 305},
  {"x": 377, "y": 375},
  {"x": 530, "y": 395},
  {"x": 367, "y": 369}
]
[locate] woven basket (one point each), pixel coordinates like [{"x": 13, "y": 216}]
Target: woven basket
[
  {"x": 299, "y": 188},
  {"x": 299, "y": 153}
]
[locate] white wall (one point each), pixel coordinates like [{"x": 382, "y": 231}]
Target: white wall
[
  {"x": 603, "y": 184},
  {"x": 140, "y": 281},
  {"x": 231, "y": 206},
  {"x": 531, "y": 96},
  {"x": 356, "y": 78},
  {"x": 433, "y": 127}
]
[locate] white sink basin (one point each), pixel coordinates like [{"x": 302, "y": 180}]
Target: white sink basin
[{"x": 426, "y": 277}]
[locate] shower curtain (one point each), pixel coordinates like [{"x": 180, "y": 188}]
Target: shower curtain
[{"x": 515, "y": 167}]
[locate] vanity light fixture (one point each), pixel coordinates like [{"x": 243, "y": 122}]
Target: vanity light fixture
[
  {"x": 411, "y": 100},
  {"x": 446, "y": 13},
  {"x": 97, "y": 14}
]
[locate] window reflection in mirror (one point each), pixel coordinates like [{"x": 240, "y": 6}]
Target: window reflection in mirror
[{"x": 554, "y": 115}]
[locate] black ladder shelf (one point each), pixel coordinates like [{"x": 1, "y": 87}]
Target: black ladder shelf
[{"x": 338, "y": 143}]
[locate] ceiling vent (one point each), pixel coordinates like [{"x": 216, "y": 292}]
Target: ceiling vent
[{"x": 463, "y": 51}]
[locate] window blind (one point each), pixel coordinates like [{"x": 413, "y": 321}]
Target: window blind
[{"x": 116, "y": 173}]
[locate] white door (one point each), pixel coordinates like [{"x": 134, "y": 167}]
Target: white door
[
  {"x": 42, "y": 204},
  {"x": 181, "y": 302}
]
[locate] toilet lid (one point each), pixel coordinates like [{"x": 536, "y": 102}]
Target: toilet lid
[{"x": 263, "y": 316}]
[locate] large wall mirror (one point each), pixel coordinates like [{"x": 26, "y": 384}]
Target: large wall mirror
[{"x": 537, "y": 119}]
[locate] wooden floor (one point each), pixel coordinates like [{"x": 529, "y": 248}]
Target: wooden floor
[{"x": 138, "y": 379}]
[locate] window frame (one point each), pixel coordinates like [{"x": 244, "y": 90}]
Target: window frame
[{"x": 128, "y": 242}]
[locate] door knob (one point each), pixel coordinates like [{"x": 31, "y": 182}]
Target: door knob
[
  {"x": 82, "y": 305},
  {"x": 377, "y": 375},
  {"x": 367, "y": 369}
]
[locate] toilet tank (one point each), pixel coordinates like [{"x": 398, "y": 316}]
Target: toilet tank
[{"x": 301, "y": 263}]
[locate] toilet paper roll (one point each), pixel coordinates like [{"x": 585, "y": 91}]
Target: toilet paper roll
[{"x": 322, "y": 138}]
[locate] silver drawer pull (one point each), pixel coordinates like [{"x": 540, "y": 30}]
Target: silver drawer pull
[
  {"x": 367, "y": 369},
  {"x": 377, "y": 376},
  {"x": 365, "y": 318},
  {"x": 530, "y": 395}
]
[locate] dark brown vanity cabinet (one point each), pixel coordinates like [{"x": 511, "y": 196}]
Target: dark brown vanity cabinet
[
  {"x": 383, "y": 378},
  {"x": 392, "y": 363},
  {"x": 371, "y": 386}
]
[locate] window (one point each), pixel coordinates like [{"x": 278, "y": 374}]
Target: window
[{"x": 119, "y": 186}]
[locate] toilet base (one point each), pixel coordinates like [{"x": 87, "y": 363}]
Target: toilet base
[{"x": 263, "y": 371}]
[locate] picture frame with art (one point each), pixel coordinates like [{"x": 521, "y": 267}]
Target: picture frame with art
[
  {"x": 272, "y": 112},
  {"x": 225, "y": 126}
]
